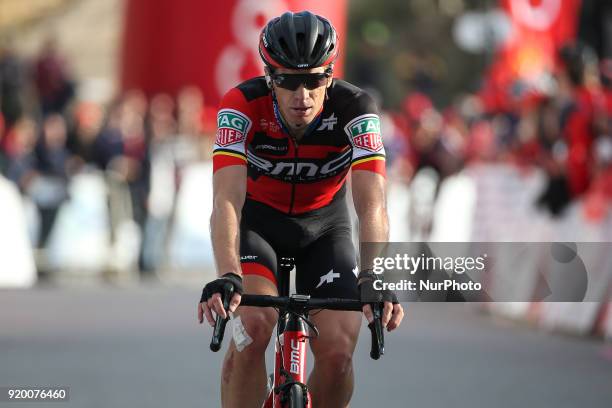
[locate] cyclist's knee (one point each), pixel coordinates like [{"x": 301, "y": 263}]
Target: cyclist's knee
[
  {"x": 258, "y": 324},
  {"x": 339, "y": 362},
  {"x": 335, "y": 354}
]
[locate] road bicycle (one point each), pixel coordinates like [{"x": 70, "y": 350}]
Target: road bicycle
[{"x": 286, "y": 386}]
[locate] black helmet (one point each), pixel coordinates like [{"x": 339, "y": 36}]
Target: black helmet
[{"x": 298, "y": 41}]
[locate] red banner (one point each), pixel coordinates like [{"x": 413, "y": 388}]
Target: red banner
[
  {"x": 529, "y": 55},
  {"x": 169, "y": 44}
]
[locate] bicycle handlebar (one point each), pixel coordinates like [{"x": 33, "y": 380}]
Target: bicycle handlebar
[{"x": 283, "y": 302}]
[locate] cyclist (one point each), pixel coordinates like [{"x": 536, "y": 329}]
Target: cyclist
[{"x": 285, "y": 144}]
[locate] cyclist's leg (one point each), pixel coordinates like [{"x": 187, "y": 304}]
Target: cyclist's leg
[
  {"x": 331, "y": 380},
  {"x": 243, "y": 381},
  {"x": 327, "y": 269}
]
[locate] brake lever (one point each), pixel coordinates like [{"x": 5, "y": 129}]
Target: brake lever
[
  {"x": 376, "y": 329},
  {"x": 219, "y": 330}
]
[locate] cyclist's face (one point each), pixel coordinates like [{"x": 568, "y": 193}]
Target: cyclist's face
[{"x": 300, "y": 106}]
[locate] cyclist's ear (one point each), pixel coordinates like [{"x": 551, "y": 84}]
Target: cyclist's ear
[
  {"x": 268, "y": 73},
  {"x": 330, "y": 70}
]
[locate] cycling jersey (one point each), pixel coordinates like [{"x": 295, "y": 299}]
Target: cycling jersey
[{"x": 292, "y": 176}]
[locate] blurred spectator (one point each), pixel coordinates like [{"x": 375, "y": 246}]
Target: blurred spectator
[
  {"x": 578, "y": 115},
  {"x": 482, "y": 146},
  {"x": 425, "y": 68},
  {"x": 52, "y": 79},
  {"x": 39, "y": 166},
  {"x": 415, "y": 104},
  {"x": 164, "y": 181},
  {"x": 84, "y": 137},
  {"x": 132, "y": 165},
  {"x": 196, "y": 121},
  {"x": 433, "y": 146},
  {"x": 128, "y": 168},
  {"x": 21, "y": 140},
  {"x": 12, "y": 82},
  {"x": 51, "y": 152},
  {"x": 3, "y": 158},
  {"x": 108, "y": 142},
  {"x": 162, "y": 122},
  {"x": 52, "y": 159},
  {"x": 553, "y": 155}
]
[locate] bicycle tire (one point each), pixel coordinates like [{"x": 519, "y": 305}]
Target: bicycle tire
[{"x": 296, "y": 397}]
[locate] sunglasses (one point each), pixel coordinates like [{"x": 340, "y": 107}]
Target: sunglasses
[{"x": 293, "y": 81}]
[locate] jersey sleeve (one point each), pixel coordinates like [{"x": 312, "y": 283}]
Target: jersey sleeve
[
  {"x": 363, "y": 132},
  {"x": 234, "y": 123}
]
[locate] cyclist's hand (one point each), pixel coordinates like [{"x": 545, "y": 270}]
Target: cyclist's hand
[
  {"x": 211, "y": 299},
  {"x": 392, "y": 313}
]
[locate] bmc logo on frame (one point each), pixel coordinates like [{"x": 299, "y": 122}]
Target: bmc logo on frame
[
  {"x": 295, "y": 357},
  {"x": 232, "y": 127},
  {"x": 364, "y": 131}
]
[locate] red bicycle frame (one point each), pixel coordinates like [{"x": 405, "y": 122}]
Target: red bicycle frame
[{"x": 289, "y": 359}]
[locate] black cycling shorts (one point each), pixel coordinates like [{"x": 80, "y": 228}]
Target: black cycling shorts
[{"x": 320, "y": 242}]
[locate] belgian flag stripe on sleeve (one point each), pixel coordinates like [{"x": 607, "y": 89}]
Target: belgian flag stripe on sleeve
[
  {"x": 375, "y": 163},
  {"x": 224, "y": 158}
]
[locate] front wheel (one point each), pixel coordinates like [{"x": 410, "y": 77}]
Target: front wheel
[{"x": 296, "y": 397}]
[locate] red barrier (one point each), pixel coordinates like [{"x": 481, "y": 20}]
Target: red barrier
[{"x": 168, "y": 44}]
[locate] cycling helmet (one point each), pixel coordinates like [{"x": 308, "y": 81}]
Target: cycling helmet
[{"x": 298, "y": 41}]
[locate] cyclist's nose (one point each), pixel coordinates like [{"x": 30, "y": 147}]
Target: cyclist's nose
[{"x": 301, "y": 93}]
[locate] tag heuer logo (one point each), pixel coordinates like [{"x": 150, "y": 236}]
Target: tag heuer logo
[
  {"x": 232, "y": 127},
  {"x": 365, "y": 132}
]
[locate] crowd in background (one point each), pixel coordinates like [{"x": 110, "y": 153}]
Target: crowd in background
[
  {"x": 48, "y": 134},
  {"x": 566, "y": 130}
]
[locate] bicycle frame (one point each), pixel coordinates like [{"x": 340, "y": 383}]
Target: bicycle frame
[
  {"x": 289, "y": 359},
  {"x": 290, "y": 345}
]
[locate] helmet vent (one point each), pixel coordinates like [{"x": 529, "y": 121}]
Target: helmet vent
[
  {"x": 317, "y": 43},
  {"x": 284, "y": 46},
  {"x": 301, "y": 43}
]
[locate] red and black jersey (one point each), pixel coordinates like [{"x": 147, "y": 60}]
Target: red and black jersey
[{"x": 298, "y": 177}]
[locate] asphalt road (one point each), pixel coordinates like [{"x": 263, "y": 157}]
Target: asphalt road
[{"x": 141, "y": 347}]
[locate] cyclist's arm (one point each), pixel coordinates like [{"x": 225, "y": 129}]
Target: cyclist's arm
[
  {"x": 369, "y": 199},
  {"x": 367, "y": 169},
  {"x": 229, "y": 179},
  {"x": 370, "y": 204},
  {"x": 229, "y": 191}
]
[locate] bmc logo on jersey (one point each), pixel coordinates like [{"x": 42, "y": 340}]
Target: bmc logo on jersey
[
  {"x": 301, "y": 171},
  {"x": 232, "y": 127},
  {"x": 364, "y": 131}
]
